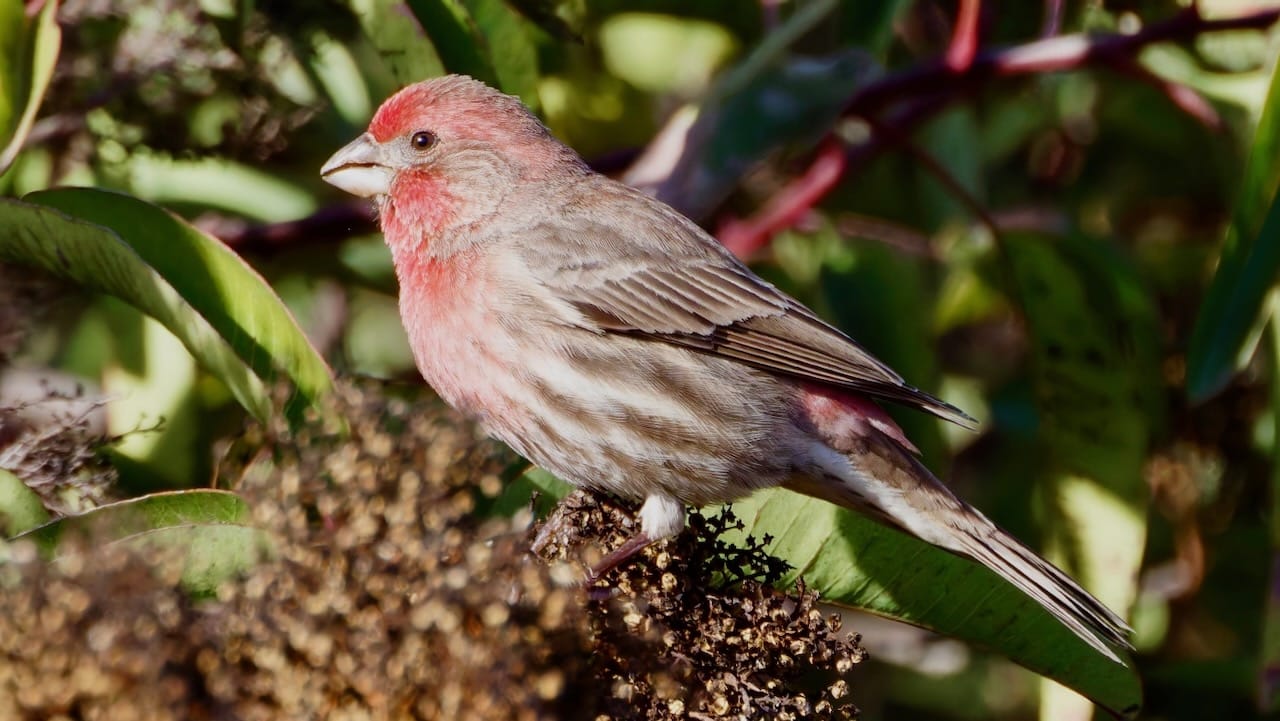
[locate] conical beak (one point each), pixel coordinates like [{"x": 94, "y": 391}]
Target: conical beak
[{"x": 359, "y": 169}]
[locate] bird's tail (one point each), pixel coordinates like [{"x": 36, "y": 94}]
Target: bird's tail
[
  {"x": 890, "y": 485},
  {"x": 1075, "y": 607}
]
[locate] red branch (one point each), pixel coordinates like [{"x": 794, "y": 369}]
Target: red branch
[
  {"x": 964, "y": 37},
  {"x": 924, "y": 89},
  {"x": 793, "y": 203},
  {"x": 918, "y": 92},
  {"x": 1065, "y": 52},
  {"x": 745, "y": 237},
  {"x": 1184, "y": 98}
]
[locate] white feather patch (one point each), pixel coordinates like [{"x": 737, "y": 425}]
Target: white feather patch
[{"x": 661, "y": 517}]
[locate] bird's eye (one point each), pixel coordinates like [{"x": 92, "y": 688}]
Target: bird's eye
[{"x": 422, "y": 140}]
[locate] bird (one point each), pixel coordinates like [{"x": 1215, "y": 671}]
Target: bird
[{"x": 615, "y": 343}]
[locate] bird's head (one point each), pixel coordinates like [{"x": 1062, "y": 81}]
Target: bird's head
[
  {"x": 443, "y": 132},
  {"x": 444, "y": 153}
]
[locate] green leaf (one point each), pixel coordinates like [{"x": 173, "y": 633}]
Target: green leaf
[
  {"x": 1095, "y": 369},
  {"x": 210, "y": 552},
  {"x": 505, "y": 37},
  {"x": 1226, "y": 329},
  {"x": 98, "y": 259},
  {"x": 399, "y": 38},
  {"x": 1268, "y": 672},
  {"x": 853, "y": 561},
  {"x": 561, "y": 19},
  {"x": 1095, "y": 349},
  {"x": 12, "y": 75},
  {"x": 28, "y": 52},
  {"x": 454, "y": 34},
  {"x": 484, "y": 39},
  {"x": 211, "y": 278},
  {"x": 214, "y": 182},
  {"x": 122, "y": 519},
  {"x": 208, "y": 529},
  {"x": 20, "y": 507}
]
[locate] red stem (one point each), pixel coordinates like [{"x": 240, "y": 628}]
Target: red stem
[
  {"x": 745, "y": 237},
  {"x": 1186, "y": 99},
  {"x": 964, "y": 37},
  {"x": 1064, "y": 52}
]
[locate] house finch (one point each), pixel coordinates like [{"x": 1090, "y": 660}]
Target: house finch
[{"x": 610, "y": 340}]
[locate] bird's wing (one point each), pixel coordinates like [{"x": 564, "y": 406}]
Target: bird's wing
[{"x": 685, "y": 289}]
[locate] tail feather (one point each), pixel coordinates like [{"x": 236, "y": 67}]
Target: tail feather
[
  {"x": 885, "y": 482},
  {"x": 1075, "y": 607}
]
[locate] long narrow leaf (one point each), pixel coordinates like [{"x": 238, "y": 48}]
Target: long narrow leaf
[
  {"x": 215, "y": 281},
  {"x": 96, "y": 258},
  {"x": 26, "y": 74},
  {"x": 1225, "y": 332}
]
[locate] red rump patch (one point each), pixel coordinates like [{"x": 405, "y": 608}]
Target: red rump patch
[{"x": 841, "y": 417}]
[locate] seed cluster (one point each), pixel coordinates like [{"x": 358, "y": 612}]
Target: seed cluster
[
  {"x": 694, "y": 629},
  {"x": 388, "y": 597}
]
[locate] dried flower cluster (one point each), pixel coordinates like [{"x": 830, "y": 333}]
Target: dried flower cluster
[
  {"x": 54, "y": 446},
  {"x": 50, "y": 433},
  {"x": 695, "y": 630},
  {"x": 388, "y": 598}
]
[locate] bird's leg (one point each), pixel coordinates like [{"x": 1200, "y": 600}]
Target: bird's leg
[
  {"x": 660, "y": 517},
  {"x": 629, "y": 548}
]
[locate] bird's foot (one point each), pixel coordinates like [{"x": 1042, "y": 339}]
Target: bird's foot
[{"x": 617, "y": 557}]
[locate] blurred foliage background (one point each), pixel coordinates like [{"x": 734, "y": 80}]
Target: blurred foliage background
[{"x": 1059, "y": 216}]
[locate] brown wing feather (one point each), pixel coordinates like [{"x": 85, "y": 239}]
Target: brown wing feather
[
  {"x": 669, "y": 281},
  {"x": 731, "y": 313}
]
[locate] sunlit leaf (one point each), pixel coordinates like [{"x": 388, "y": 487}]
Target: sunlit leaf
[
  {"x": 852, "y": 561},
  {"x": 664, "y": 53},
  {"x": 96, "y": 258},
  {"x": 28, "y": 52},
  {"x": 20, "y": 507},
  {"x": 399, "y": 38},
  {"x": 1095, "y": 370},
  {"x": 145, "y": 513},
  {"x": 218, "y": 183},
  {"x": 215, "y": 281}
]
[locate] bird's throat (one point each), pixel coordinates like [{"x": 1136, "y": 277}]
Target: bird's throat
[{"x": 419, "y": 210}]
